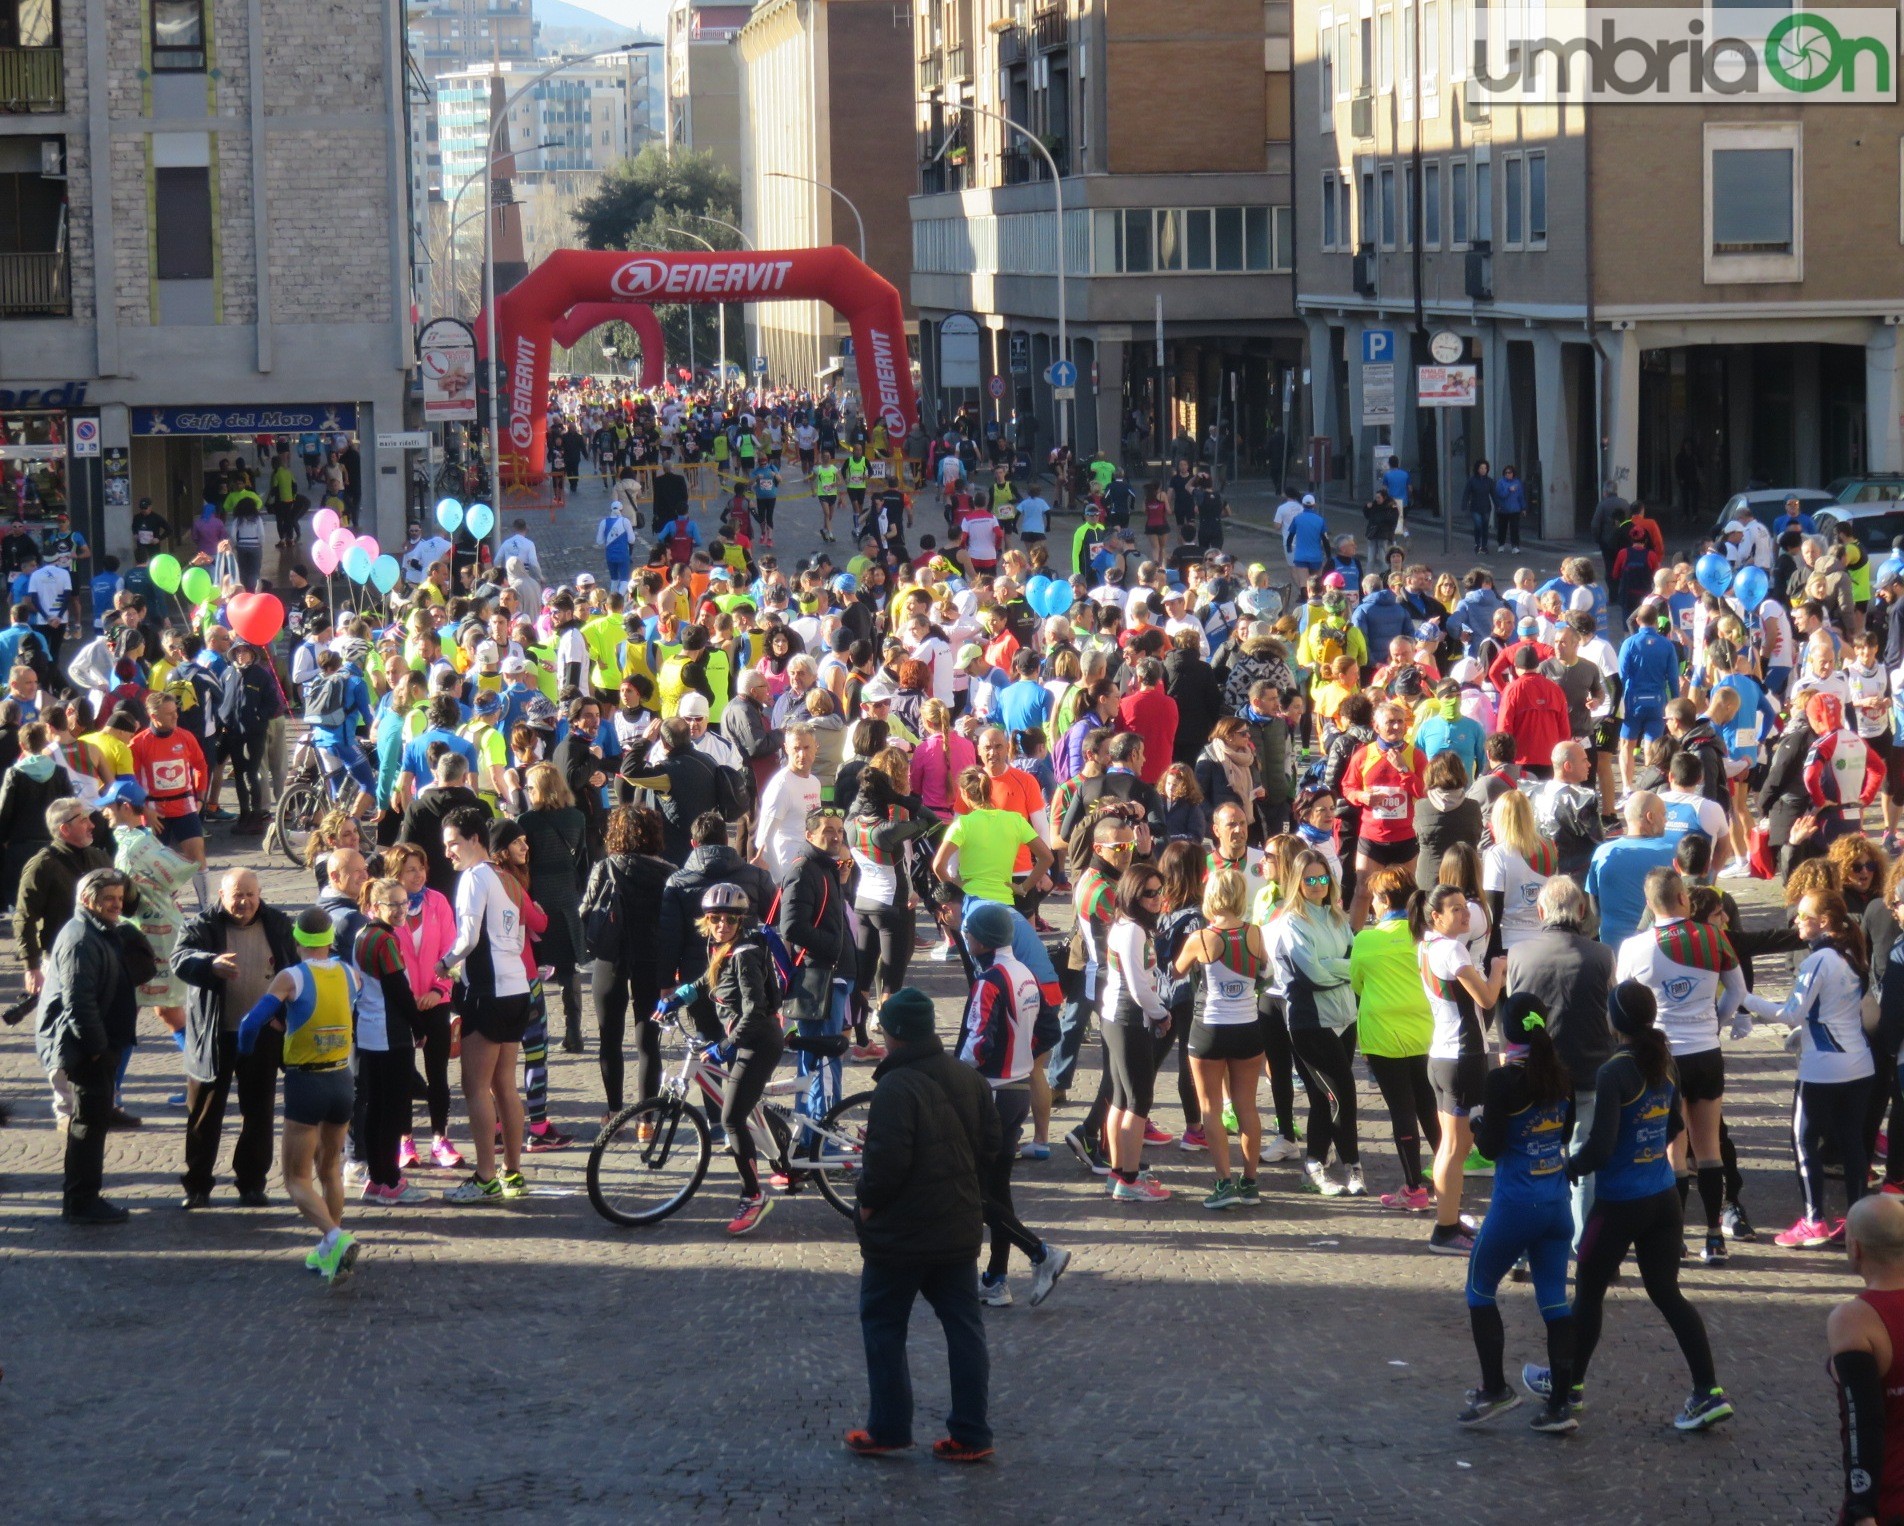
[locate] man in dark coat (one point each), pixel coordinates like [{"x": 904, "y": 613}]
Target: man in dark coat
[
  {"x": 1192, "y": 683},
  {"x": 931, "y": 1132},
  {"x": 813, "y": 925},
  {"x": 681, "y": 955},
  {"x": 429, "y": 808}
]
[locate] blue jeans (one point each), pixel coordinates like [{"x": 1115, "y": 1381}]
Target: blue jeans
[
  {"x": 819, "y": 1008},
  {"x": 1074, "y": 1022},
  {"x": 886, "y": 1295}
]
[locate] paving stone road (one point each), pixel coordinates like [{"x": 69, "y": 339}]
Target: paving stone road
[{"x": 1300, "y": 1365}]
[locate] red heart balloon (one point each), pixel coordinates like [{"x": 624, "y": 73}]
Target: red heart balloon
[{"x": 256, "y": 617}]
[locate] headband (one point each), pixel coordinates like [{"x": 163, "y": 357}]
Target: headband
[{"x": 314, "y": 940}]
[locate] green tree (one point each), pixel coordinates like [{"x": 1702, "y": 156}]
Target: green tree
[{"x": 639, "y": 205}]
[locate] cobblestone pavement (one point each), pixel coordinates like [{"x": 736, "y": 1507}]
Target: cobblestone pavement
[{"x": 1300, "y": 1365}]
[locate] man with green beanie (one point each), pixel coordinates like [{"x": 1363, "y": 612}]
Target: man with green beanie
[{"x": 931, "y": 1135}]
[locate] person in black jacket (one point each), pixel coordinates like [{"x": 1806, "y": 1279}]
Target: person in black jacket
[
  {"x": 1783, "y": 799},
  {"x": 813, "y": 924},
  {"x": 1192, "y": 683},
  {"x": 430, "y": 807},
  {"x": 931, "y": 1133},
  {"x": 681, "y": 952},
  {"x": 579, "y": 757},
  {"x": 623, "y": 899},
  {"x": 684, "y": 784}
]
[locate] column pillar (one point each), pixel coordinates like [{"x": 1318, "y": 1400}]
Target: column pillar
[
  {"x": 1621, "y": 425},
  {"x": 1884, "y": 400},
  {"x": 1806, "y": 414},
  {"x": 1553, "y": 433}
]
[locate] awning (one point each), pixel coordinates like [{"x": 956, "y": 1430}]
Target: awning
[{"x": 831, "y": 368}]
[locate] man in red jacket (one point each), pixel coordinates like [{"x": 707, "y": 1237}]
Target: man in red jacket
[
  {"x": 1385, "y": 778},
  {"x": 1534, "y": 712},
  {"x": 168, "y": 762},
  {"x": 1152, "y": 714}
]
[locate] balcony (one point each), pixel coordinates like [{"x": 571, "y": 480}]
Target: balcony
[
  {"x": 958, "y": 62},
  {"x": 32, "y": 79},
  {"x": 931, "y": 72},
  {"x": 1050, "y": 27},
  {"x": 1013, "y": 46},
  {"x": 1021, "y": 166},
  {"x": 938, "y": 177},
  {"x": 1014, "y": 166},
  {"x": 34, "y": 286}
]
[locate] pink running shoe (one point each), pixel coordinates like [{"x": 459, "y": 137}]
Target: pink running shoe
[
  {"x": 1156, "y": 1136},
  {"x": 1193, "y": 1140},
  {"x": 1408, "y": 1200},
  {"x": 446, "y": 1155},
  {"x": 1151, "y": 1188},
  {"x": 406, "y": 1154},
  {"x": 1806, "y": 1234}
]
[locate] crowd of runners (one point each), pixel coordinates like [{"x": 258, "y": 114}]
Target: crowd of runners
[{"x": 1477, "y": 830}]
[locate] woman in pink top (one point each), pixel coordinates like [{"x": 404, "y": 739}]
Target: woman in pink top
[
  {"x": 426, "y": 934},
  {"x": 939, "y": 760},
  {"x": 782, "y": 647}
]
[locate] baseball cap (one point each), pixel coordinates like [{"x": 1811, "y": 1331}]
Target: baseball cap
[
  {"x": 585, "y": 580},
  {"x": 877, "y": 691},
  {"x": 970, "y": 652},
  {"x": 488, "y": 652},
  {"x": 514, "y": 663},
  {"x": 124, "y": 792},
  {"x": 692, "y": 705},
  {"x": 1308, "y": 500}
]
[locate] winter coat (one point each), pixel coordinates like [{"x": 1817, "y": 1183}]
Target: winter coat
[
  {"x": 200, "y": 942},
  {"x": 1191, "y": 682},
  {"x": 681, "y": 952},
  {"x": 90, "y": 1004}
]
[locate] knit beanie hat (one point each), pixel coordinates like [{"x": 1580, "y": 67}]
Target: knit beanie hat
[
  {"x": 907, "y": 1015},
  {"x": 990, "y": 926},
  {"x": 1631, "y": 1008}
]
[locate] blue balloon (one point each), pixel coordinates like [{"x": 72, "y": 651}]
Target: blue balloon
[
  {"x": 449, "y": 514},
  {"x": 480, "y": 519},
  {"x": 1058, "y": 598},
  {"x": 357, "y": 564},
  {"x": 384, "y": 573},
  {"x": 1714, "y": 573},
  {"x": 1752, "y": 585},
  {"x": 1035, "y": 591}
]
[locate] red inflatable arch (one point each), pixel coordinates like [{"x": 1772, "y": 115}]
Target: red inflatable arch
[
  {"x": 526, "y": 316},
  {"x": 639, "y": 316}
]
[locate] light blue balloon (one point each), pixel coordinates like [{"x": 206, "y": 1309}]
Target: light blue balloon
[
  {"x": 357, "y": 564},
  {"x": 384, "y": 572},
  {"x": 480, "y": 519},
  {"x": 1058, "y": 598},
  {"x": 1035, "y": 591},
  {"x": 449, "y": 514},
  {"x": 1751, "y": 586},
  {"x": 1714, "y": 573}
]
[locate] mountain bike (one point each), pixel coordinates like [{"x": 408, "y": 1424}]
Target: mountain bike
[{"x": 650, "y": 1159}]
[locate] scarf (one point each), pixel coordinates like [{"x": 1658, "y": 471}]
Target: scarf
[{"x": 1235, "y": 763}]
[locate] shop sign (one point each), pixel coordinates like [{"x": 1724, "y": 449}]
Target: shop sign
[{"x": 289, "y": 418}]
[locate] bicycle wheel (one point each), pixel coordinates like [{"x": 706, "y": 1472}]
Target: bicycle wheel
[
  {"x": 840, "y": 1168},
  {"x": 635, "y": 1181},
  {"x": 299, "y": 808}
]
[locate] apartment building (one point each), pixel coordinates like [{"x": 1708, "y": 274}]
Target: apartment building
[
  {"x": 825, "y": 94},
  {"x": 1628, "y": 281},
  {"x": 1168, "y": 125},
  {"x": 201, "y": 208},
  {"x": 589, "y": 117},
  {"x": 703, "y": 78},
  {"x": 448, "y": 35}
]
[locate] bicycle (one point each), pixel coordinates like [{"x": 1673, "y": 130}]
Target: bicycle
[
  {"x": 650, "y": 1159},
  {"x": 308, "y": 793}
]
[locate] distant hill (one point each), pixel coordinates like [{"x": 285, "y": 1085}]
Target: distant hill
[{"x": 560, "y": 24}]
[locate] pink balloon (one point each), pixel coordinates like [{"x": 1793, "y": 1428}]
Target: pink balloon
[
  {"x": 324, "y": 557},
  {"x": 341, "y": 540},
  {"x": 371, "y": 548},
  {"x": 323, "y": 522}
]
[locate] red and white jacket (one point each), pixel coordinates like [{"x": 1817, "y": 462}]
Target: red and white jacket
[{"x": 995, "y": 1033}]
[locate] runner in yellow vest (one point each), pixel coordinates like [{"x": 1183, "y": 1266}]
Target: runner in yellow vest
[{"x": 603, "y": 636}]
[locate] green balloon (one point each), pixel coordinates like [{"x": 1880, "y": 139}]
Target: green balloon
[
  {"x": 197, "y": 584},
  {"x": 164, "y": 569}
]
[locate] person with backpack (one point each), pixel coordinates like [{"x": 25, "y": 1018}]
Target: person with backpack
[
  {"x": 1632, "y": 571},
  {"x": 336, "y": 702},
  {"x": 620, "y": 908},
  {"x": 248, "y": 703},
  {"x": 616, "y": 537},
  {"x": 744, "y": 988},
  {"x": 678, "y": 540},
  {"x": 810, "y": 916}
]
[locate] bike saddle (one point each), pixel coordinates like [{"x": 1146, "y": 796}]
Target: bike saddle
[{"x": 824, "y": 1046}]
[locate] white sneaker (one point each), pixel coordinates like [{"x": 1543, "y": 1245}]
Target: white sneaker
[
  {"x": 356, "y": 1174},
  {"x": 1316, "y": 1179},
  {"x": 995, "y": 1295},
  {"x": 1276, "y": 1148},
  {"x": 1356, "y": 1186},
  {"x": 943, "y": 954}
]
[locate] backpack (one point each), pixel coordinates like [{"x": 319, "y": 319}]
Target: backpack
[
  {"x": 602, "y": 929},
  {"x": 1327, "y": 643},
  {"x": 1636, "y": 578},
  {"x": 326, "y": 698},
  {"x": 680, "y": 542}
]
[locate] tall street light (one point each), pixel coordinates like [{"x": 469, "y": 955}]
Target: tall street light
[
  {"x": 500, "y": 125},
  {"x": 745, "y": 243},
  {"x": 720, "y": 308},
  {"x": 1057, "y": 192},
  {"x": 457, "y": 200},
  {"x": 789, "y": 175}
]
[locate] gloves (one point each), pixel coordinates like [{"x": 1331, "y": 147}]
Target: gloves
[
  {"x": 1741, "y": 1025},
  {"x": 681, "y": 997}
]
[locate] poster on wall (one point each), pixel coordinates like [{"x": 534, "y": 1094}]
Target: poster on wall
[{"x": 116, "y": 467}]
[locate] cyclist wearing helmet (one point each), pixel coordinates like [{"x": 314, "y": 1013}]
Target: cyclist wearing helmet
[
  {"x": 744, "y": 987},
  {"x": 336, "y": 703}
]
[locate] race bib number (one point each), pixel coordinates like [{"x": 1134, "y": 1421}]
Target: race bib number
[{"x": 1388, "y": 804}]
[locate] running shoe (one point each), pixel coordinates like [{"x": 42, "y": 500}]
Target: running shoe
[
  {"x": 869, "y": 1052},
  {"x": 1248, "y": 1194},
  {"x": 446, "y": 1155},
  {"x": 1126, "y": 1192},
  {"x": 356, "y": 1173},
  {"x": 1450, "y": 1242},
  {"x": 1703, "y": 1411},
  {"x": 748, "y": 1216},
  {"x": 1276, "y": 1149},
  {"x": 1034, "y": 1149},
  {"x": 1045, "y": 1273},
  {"x": 1483, "y": 1407},
  {"x": 994, "y": 1295},
  {"x": 1092, "y": 1158},
  {"x": 1539, "y": 1382},
  {"x": 1408, "y": 1200},
  {"x": 475, "y": 1190},
  {"x": 375, "y": 1193},
  {"x": 1355, "y": 1186},
  {"x": 547, "y": 1138},
  {"x": 1805, "y": 1234},
  {"x": 944, "y": 954},
  {"x": 406, "y": 1154},
  {"x": 948, "y": 1450},
  {"x": 1153, "y": 1189},
  {"x": 1837, "y": 1232},
  {"x": 1477, "y": 1164},
  {"x": 862, "y": 1444},
  {"x": 1555, "y": 1420},
  {"x": 1156, "y": 1136},
  {"x": 1735, "y": 1224},
  {"x": 312, "y": 1261},
  {"x": 1192, "y": 1140},
  {"x": 1224, "y": 1195},
  {"x": 1315, "y": 1178},
  {"x": 337, "y": 1263},
  {"x": 513, "y": 1186},
  {"x": 1715, "y": 1253}
]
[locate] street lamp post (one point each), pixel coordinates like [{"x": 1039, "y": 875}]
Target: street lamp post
[
  {"x": 500, "y": 125},
  {"x": 1057, "y": 191},
  {"x": 745, "y": 243},
  {"x": 457, "y": 200},
  {"x": 789, "y": 175},
  {"x": 720, "y": 310}
]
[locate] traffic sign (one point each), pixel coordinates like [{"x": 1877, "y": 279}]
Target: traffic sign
[
  {"x": 1020, "y": 347},
  {"x": 1377, "y": 345},
  {"x": 85, "y": 437},
  {"x": 760, "y": 365},
  {"x": 1064, "y": 394},
  {"x": 996, "y": 386},
  {"x": 1061, "y": 373}
]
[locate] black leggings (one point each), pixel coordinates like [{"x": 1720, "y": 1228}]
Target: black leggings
[
  {"x": 1001, "y": 1217},
  {"x": 1179, "y": 1034},
  {"x": 383, "y": 1110},
  {"x": 1829, "y": 1114},
  {"x": 1410, "y": 1101},
  {"x": 1325, "y": 1059},
  {"x": 885, "y": 948},
  {"x": 747, "y": 1079},
  {"x": 616, "y": 991},
  {"x": 1653, "y": 1227},
  {"x": 436, "y": 1066},
  {"x": 1281, "y": 1061},
  {"x": 1130, "y": 1058}
]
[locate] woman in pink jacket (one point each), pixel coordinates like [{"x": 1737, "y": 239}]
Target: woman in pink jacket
[
  {"x": 426, "y": 934},
  {"x": 939, "y": 759}
]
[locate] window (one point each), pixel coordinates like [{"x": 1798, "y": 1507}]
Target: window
[
  {"x": 1197, "y": 237},
  {"x": 1458, "y": 40},
  {"x": 1537, "y": 201},
  {"x": 1325, "y": 58},
  {"x": 1385, "y": 51},
  {"x": 1754, "y": 181},
  {"x": 1343, "y": 84},
  {"x": 1256, "y": 250},
  {"x": 178, "y": 36},
  {"x": 1330, "y": 228},
  {"x": 1408, "y": 54},
  {"x": 1365, "y": 57},
  {"x": 1283, "y": 255},
  {"x": 1430, "y": 48},
  {"x": 185, "y": 232},
  {"x": 1368, "y": 207},
  {"x": 1170, "y": 240},
  {"x": 1511, "y": 210},
  {"x": 1229, "y": 238},
  {"x": 1388, "y": 207},
  {"x": 1137, "y": 242},
  {"x": 1483, "y": 201},
  {"x": 1431, "y": 206},
  {"x": 1408, "y": 207},
  {"x": 1343, "y": 191},
  {"x": 1458, "y": 203}
]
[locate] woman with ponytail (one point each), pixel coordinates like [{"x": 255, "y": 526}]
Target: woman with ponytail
[
  {"x": 1523, "y": 1127},
  {"x": 1635, "y": 1206}
]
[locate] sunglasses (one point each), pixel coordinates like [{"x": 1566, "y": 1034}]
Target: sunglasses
[
  {"x": 1316, "y": 879},
  {"x": 1117, "y": 847},
  {"x": 1150, "y": 892},
  {"x": 723, "y": 916}
]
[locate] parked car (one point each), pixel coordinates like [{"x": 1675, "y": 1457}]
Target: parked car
[
  {"x": 1870, "y": 488},
  {"x": 1767, "y": 503},
  {"x": 1876, "y": 522}
]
